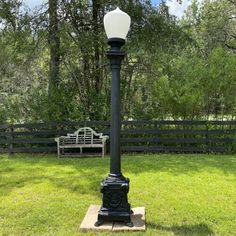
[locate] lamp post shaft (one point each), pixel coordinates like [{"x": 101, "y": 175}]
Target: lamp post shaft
[{"x": 115, "y": 163}]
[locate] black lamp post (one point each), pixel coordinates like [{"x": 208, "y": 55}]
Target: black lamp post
[{"x": 115, "y": 186}]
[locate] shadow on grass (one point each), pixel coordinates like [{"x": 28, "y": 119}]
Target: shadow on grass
[
  {"x": 78, "y": 176},
  {"x": 7, "y": 170},
  {"x": 172, "y": 163},
  {"x": 83, "y": 175},
  {"x": 188, "y": 230},
  {"x": 180, "y": 164},
  {"x": 90, "y": 185},
  {"x": 73, "y": 184}
]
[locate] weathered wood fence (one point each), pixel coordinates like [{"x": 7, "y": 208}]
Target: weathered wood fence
[{"x": 136, "y": 136}]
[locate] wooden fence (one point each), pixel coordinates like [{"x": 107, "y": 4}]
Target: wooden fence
[{"x": 136, "y": 136}]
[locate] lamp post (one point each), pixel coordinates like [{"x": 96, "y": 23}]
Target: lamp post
[{"x": 115, "y": 186}]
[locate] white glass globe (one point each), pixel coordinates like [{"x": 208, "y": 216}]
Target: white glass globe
[{"x": 117, "y": 24}]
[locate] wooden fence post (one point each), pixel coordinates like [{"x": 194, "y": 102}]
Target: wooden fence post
[
  {"x": 11, "y": 138},
  {"x": 207, "y": 139}
]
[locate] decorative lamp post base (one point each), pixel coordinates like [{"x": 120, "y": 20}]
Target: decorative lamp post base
[{"x": 115, "y": 206}]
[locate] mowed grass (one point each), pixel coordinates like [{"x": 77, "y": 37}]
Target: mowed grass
[{"x": 183, "y": 194}]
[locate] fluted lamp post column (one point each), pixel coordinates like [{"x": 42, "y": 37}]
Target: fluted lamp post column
[{"x": 115, "y": 186}]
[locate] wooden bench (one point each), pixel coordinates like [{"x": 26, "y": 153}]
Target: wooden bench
[{"x": 83, "y": 138}]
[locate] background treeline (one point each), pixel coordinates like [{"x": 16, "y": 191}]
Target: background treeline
[{"x": 53, "y": 63}]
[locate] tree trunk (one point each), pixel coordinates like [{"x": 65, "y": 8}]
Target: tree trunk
[
  {"x": 54, "y": 45},
  {"x": 96, "y": 6}
]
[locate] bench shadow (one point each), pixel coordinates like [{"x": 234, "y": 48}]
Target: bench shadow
[{"x": 184, "y": 230}]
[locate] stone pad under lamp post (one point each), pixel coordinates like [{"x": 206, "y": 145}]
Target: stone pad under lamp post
[{"x": 115, "y": 186}]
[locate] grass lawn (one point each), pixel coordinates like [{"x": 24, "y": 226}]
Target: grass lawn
[{"x": 183, "y": 194}]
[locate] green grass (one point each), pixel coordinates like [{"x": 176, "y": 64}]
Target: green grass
[{"x": 183, "y": 194}]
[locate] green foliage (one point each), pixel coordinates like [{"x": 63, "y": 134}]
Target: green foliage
[
  {"x": 211, "y": 24},
  {"x": 221, "y": 87},
  {"x": 173, "y": 69}
]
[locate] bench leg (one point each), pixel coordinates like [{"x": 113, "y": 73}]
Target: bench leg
[
  {"x": 58, "y": 151},
  {"x": 103, "y": 151}
]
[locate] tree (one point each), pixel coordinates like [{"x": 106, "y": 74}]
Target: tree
[
  {"x": 211, "y": 24},
  {"x": 53, "y": 62}
]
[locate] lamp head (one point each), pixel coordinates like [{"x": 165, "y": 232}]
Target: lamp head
[{"x": 117, "y": 24}]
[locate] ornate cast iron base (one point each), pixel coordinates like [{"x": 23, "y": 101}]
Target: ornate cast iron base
[{"x": 115, "y": 206}]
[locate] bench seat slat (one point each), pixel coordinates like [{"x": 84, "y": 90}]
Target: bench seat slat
[{"x": 81, "y": 145}]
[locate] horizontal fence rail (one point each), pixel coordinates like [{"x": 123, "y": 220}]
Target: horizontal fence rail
[{"x": 136, "y": 136}]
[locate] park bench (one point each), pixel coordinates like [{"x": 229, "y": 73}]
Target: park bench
[{"x": 83, "y": 138}]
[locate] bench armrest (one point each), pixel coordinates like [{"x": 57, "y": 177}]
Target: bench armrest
[
  {"x": 58, "y": 139},
  {"x": 104, "y": 137},
  {"x": 101, "y": 136}
]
